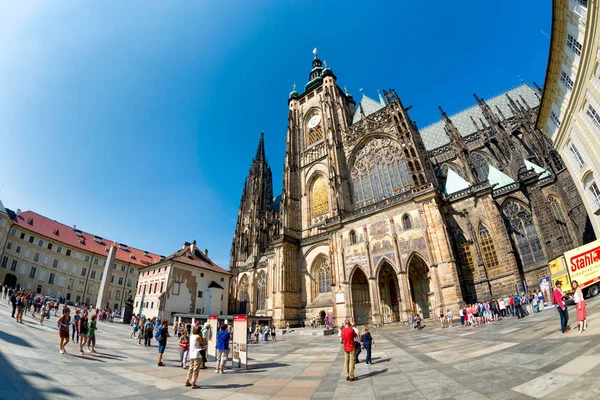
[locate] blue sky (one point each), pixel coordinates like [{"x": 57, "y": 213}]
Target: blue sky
[{"x": 137, "y": 121}]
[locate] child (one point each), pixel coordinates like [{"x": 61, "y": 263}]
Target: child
[{"x": 92, "y": 334}]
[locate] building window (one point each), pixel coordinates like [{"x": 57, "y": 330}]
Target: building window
[
  {"x": 201, "y": 274},
  {"x": 261, "y": 291},
  {"x": 112, "y": 279},
  {"x": 32, "y": 272},
  {"x": 222, "y": 279},
  {"x": 68, "y": 253},
  {"x": 465, "y": 254},
  {"x": 120, "y": 280},
  {"x": 131, "y": 270},
  {"x": 4, "y": 261},
  {"x": 55, "y": 263},
  {"x": 128, "y": 282},
  {"x": 199, "y": 294},
  {"x": 49, "y": 246},
  {"x": 136, "y": 304},
  {"x": 573, "y": 44},
  {"x": 51, "y": 279},
  {"x": 13, "y": 266},
  {"x": 406, "y": 221},
  {"x": 566, "y": 80},
  {"x": 576, "y": 155},
  {"x": 13, "y": 232},
  {"x": 352, "y": 237},
  {"x": 22, "y": 236},
  {"x": 524, "y": 233},
  {"x": 156, "y": 287},
  {"x": 152, "y": 305},
  {"x": 482, "y": 165},
  {"x": 84, "y": 272},
  {"x": 593, "y": 114},
  {"x": 114, "y": 266},
  {"x": 559, "y": 218},
  {"x": 554, "y": 119},
  {"x": 36, "y": 257},
  {"x": 93, "y": 274},
  {"x": 379, "y": 172},
  {"x": 122, "y": 268},
  {"x": 87, "y": 258},
  {"x": 324, "y": 278},
  {"x": 490, "y": 258},
  {"x": 96, "y": 261},
  {"x": 320, "y": 197},
  {"x": 41, "y": 243},
  {"x": 101, "y": 275},
  {"x": 74, "y": 269},
  {"x": 8, "y": 245},
  {"x": 59, "y": 249},
  {"x": 595, "y": 193},
  {"x": 31, "y": 239},
  {"x": 582, "y": 2},
  {"x": 18, "y": 249}
]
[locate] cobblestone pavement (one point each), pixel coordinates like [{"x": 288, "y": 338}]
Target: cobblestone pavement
[{"x": 509, "y": 359}]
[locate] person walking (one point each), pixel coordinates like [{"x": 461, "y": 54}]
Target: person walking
[
  {"x": 558, "y": 300},
  {"x": 442, "y": 318},
  {"x": 63, "y": 330},
  {"x": 184, "y": 348},
  {"x": 273, "y": 334},
  {"x": 367, "y": 341},
  {"x": 140, "y": 332},
  {"x": 205, "y": 336},
  {"x": 75, "y": 326},
  {"x": 580, "y": 307},
  {"x": 13, "y": 300},
  {"x": 148, "y": 330},
  {"x": 91, "y": 339},
  {"x": 348, "y": 338},
  {"x": 161, "y": 335},
  {"x": 223, "y": 337},
  {"x": 196, "y": 345},
  {"x": 357, "y": 345},
  {"x": 83, "y": 331},
  {"x": 411, "y": 319},
  {"x": 256, "y": 333}
]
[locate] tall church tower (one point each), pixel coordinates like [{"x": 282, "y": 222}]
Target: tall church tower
[{"x": 256, "y": 214}]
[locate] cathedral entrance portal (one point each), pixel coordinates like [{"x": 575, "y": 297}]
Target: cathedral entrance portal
[
  {"x": 418, "y": 277},
  {"x": 388, "y": 292},
  {"x": 361, "y": 299}
]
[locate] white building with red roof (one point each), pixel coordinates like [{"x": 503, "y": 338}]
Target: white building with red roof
[
  {"x": 187, "y": 281},
  {"x": 48, "y": 257}
]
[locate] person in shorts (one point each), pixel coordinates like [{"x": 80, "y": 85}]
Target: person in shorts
[
  {"x": 63, "y": 329},
  {"x": 161, "y": 335},
  {"x": 92, "y": 334},
  {"x": 223, "y": 337},
  {"x": 83, "y": 331}
]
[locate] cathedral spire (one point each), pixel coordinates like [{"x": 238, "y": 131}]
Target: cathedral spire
[{"x": 260, "y": 151}]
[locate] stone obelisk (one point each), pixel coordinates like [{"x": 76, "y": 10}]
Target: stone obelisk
[{"x": 102, "y": 301}]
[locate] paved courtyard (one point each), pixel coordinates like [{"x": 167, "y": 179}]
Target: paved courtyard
[{"x": 506, "y": 360}]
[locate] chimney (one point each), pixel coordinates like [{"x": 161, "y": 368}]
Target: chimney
[
  {"x": 18, "y": 212},
  {"x": 193, "y": 247},
  {"x": 206, "y": 252}
]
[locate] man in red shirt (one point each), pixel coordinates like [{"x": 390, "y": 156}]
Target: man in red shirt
[
  {"x": 348, "y": 335},
  {"x": 557, "y": 299}
]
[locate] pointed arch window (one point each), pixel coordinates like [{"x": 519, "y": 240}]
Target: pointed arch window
[
  {"x": 379, "y": 172},
  {"x": 482, "y": 165},
  {"x": 261, "y": 291},
  {"x": 559, "y": 218},
  {"x": 324, "y": 278},
  {"x": 320, "y": 197},
  {"x": 488, "y": 250},
  {"x": 352, "y": 237},
  {"x": 465, "y": 253},
  {"x": 524, "y": 233},
  {"x": 243, "y": 295},
  {"x": 407, "y": 222}
]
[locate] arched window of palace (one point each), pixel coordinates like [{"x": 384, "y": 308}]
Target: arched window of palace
[
  {"x": 324, "y": 278},
  {"x": 490, "y": 258},
  {"x": 379, "y": 172},
  {"x": 261, "y": 291},
  {"x": 406, "y": 221},
  {"x": 559, "y": 218},
  {"x": 320, "y": 197},
  {"x": 482, "y": 165},
  {"x": 352, "y": 237},
  {"x": 524, "y": 232}
]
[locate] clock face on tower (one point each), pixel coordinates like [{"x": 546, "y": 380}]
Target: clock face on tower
[{"x": 314, "y": 121}]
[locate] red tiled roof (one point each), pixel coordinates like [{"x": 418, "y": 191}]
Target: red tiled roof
[
  {"x": 196, "y": 259},
  {"x": 67, "y": 235}
]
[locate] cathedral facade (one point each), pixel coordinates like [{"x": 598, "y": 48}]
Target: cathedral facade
[{"x": 378, "y": 219}]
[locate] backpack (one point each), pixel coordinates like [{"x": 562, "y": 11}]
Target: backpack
[{"x": 158, "y": 334}]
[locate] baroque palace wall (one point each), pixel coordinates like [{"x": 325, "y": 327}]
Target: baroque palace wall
[{"x": 378, "y": 219}]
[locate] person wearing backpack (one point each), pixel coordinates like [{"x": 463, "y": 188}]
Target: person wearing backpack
[
  {"x": 161, "y": 335},
  {"x": 148, "y": 329}
]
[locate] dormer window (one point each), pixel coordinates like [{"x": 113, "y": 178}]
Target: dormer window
[
  {"x": 56, "y": 232},
  {"x": 97, "y": 239}
]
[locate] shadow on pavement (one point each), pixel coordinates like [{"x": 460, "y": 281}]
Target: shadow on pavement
[
  {"x": 229, "y": 386},
  {"x": 14, "y": 385},
  {"x": 371, "y": 374},
  {"x": 12, "y": 339},
  {"x": 267, "y": 365}
]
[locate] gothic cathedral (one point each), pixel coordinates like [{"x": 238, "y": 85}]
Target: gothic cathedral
[{"x": 378, "y": 219}]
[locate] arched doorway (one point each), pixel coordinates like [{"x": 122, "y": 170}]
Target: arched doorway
[
  {"x": 388, "y": 292},
  {"x": 322, "y": 316},
  {"x": 361, "y": 298},
  {"x": 10, "y": 280},
  {"x": 418, "y": 277}
]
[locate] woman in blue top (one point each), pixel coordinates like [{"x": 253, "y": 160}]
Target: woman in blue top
[
  {"x": 223, "y": 337},
  {"x": 367, "y": 341}
]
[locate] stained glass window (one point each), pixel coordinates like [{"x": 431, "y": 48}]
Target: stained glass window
[
  {"x": 324, "y": 278},
  {"x": 261, "y": 291},
  {"x": 559, "y": 218},
  {"x": 465, "y": 254},
  {"x": 320, "y": 197},
  {"x": 524, "y": 233},
  {"x": 481, "y": 165},
  {"x": 379, "y": 172},
  {"x": 490, "y": 258}
]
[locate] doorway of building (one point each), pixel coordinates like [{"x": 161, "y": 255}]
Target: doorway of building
[
  {"x": 361, "y": 298},
  {"x": 418, "y": 277},
  {"x": 10, "y": 280},
  {"x": 322, "y": 316},
  {"x": 388, "y": 292}
]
